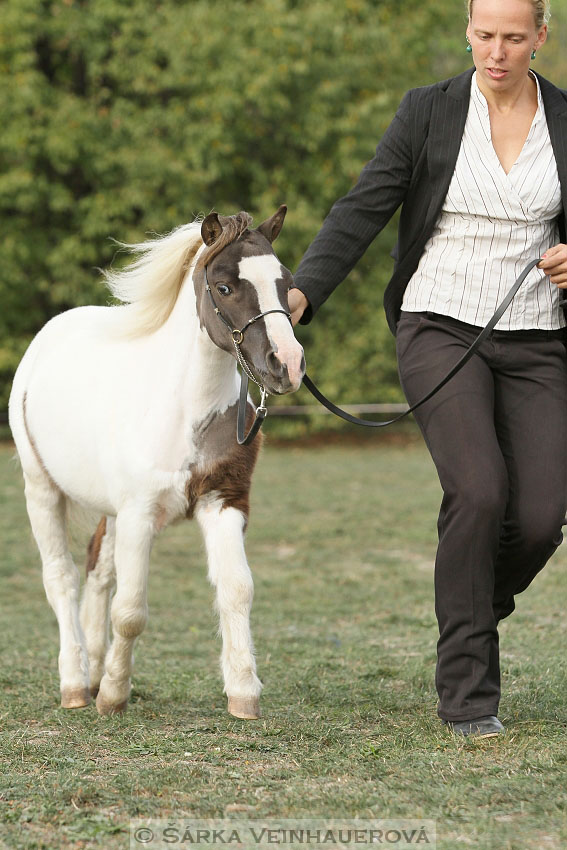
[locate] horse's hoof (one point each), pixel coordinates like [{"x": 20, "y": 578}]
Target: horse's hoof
[
  {"x": 107, "y": 708},
  {"x": 247, "y": 708},
  {"x": 75, "y": 697}
]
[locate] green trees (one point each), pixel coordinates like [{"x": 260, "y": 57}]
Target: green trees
[{"x": 124, "y": 117}]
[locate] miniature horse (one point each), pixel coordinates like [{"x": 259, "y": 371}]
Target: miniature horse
[{"x": 130, "y": 410}]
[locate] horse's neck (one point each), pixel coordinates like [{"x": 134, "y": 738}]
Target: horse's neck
[{"x": 206, "y": 374}]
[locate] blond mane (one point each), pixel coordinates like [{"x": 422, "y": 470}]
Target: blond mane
[{"x": 149, "y": 286}]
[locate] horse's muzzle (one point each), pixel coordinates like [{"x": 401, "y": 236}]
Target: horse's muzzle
[{"x": 284, "y": 376}]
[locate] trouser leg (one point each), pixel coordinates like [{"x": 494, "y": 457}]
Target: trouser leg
[
  {"x": 458, "y": 427},
  {"x": 531, "y": 423},
  {"x": 478, "y": 430}
]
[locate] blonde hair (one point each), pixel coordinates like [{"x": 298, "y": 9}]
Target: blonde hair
[{"x": 542, "y": 11}]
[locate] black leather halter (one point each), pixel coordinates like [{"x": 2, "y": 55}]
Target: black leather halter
[{"x": 237, "y": 336}]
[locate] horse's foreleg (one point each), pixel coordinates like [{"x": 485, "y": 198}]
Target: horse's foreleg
[
  {"x": 223, "y": 530},
  {"x": 129, "y": 610},
  {"x": 95, "y": 605},
  {"x": 46, "y": 510}
]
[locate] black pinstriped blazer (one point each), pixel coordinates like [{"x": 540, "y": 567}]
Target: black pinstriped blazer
[{"x": 413, "y": 166}]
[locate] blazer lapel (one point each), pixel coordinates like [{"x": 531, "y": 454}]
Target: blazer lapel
[
  {"x": 445, "y": 133},
  {"x": 556, "y": 114}
]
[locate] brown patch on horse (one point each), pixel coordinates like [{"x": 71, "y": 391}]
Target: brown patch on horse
[
  {"x": 231, "y": 474},
  {"x": 93, "y": 549},
  {"x": 161, "y": 518}
]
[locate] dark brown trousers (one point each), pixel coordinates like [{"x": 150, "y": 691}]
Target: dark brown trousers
[{"x": 497, "y": 434}]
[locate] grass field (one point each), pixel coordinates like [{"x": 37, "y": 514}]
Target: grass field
[{"x": 341, "y": 543}]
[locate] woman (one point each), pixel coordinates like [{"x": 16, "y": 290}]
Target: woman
[{"x": 479, "y": 164}]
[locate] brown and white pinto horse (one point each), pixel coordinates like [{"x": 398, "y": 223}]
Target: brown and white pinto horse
[{"x": 131, "y": 411}]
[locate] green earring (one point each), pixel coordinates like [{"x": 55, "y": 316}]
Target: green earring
[
  {"x": 533, "y": 54},
  {"x": 469, "y": 47}
]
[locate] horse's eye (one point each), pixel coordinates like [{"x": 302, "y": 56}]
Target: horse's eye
[{"x": 223, "y": 289}]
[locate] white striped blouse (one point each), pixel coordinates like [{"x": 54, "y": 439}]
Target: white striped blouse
[{"x": 492, "y": 224}]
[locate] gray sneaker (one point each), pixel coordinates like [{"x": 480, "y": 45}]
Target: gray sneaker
[{"x": 481, "y": 727}]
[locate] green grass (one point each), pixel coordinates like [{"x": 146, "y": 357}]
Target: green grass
[{"x": 341, "y": 543}]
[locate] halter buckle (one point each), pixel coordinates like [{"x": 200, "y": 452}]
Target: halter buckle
[{"x": 237, "y": 337}]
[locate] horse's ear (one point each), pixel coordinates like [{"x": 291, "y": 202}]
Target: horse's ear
[
  {"x": 211, "y": 228},
  {"x": 272, "y": 226}
]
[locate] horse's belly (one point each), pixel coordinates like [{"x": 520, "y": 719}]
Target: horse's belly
[
  {"x": 67, "y": 445},
  {"x": 94, "y": 456},
  {"x": 93, "y": 426}
]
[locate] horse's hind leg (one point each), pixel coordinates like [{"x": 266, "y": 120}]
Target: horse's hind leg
[
  {"x": 223, "y": 530},
  {"x": 46, "y": 510},
  {"x": 95, "y": 605},
  {"x": 129, "y": 610}
]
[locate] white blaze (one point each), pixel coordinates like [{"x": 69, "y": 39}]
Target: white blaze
[{"x": 263, "y": 272}]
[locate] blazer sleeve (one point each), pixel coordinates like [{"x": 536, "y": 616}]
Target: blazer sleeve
[{"x": 357, "y": 218}]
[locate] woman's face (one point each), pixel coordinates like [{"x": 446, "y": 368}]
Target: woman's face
[{"x": 503, "y": 34}]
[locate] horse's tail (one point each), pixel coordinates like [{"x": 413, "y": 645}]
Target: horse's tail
[{"x": 149, "y": 286}]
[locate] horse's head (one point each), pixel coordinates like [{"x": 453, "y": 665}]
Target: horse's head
[{"x": 246, "y": 301}]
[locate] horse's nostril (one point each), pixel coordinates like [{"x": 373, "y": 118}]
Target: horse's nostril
[{"x": 275, "y": 365}]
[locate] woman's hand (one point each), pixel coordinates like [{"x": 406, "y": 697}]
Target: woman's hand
[
  {"x": 554, "y": 264},
  {"x": 298, "y": 303}
]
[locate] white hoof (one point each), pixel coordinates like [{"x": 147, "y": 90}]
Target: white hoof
[
  {"x": 105, "y": 708},
  {"x": 247, "y": 708},
  {"x": 75, "y": 697}
]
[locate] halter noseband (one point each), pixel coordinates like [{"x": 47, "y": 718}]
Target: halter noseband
[{"x": 237, "y": 336}]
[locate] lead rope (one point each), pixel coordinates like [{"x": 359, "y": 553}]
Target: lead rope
[
  {"x": 261, "y": 410},
  {"x": 475, "y": 345}
]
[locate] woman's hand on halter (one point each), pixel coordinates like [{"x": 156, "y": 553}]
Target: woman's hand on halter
[
  {"x": 554, "y": 264},
  {"x": 297, "y": 303}
]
